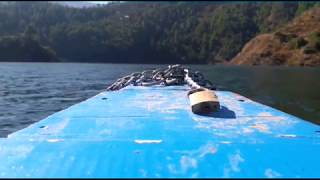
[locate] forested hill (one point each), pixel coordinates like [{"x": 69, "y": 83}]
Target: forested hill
[
  {"x": 144, "y": 32},
  {"x": 295, "y": 44}
]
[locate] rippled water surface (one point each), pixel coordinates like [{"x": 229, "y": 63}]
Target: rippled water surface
[{"x": 31, "y": 91}]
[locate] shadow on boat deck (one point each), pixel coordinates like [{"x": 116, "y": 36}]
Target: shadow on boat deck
[{"x": 223, "y": 112}]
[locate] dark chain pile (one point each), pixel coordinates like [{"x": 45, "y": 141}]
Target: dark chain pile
[{"x": 173, "y": 75}]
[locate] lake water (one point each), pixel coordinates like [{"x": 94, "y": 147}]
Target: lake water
[{"x": 31, "y": 91}]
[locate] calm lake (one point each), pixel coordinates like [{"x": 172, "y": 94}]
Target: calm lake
[{"x": 31, "y": 91}]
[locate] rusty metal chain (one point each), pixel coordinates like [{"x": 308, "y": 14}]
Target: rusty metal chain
[{"x": 173, "y": 75}]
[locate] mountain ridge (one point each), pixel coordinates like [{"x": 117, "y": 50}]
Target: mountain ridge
[
  {"x": 147, "y": 32},
  {"x": 295, "y": 44}
]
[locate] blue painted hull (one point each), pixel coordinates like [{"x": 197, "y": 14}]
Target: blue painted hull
[{"x": 151, "y": 132}]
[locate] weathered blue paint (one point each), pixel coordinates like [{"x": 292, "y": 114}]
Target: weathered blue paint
[{"x": 151, "y": 132}]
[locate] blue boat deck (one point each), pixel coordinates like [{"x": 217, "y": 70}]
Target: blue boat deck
[{"x": 151, "y": 132}]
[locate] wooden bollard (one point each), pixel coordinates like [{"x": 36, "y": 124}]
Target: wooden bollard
[{"x": 203, "y": 101}]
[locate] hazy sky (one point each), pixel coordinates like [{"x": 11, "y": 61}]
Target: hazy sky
[{"x": 100, "y": 2}]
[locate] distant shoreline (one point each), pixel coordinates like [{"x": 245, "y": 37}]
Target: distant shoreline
[{"x": 187, "y": 64}]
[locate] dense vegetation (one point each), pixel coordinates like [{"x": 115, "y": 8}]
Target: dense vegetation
[
  {"x": 294, "y": 44},
  {"x": 25, "y": 47},
  {"x": 136, "y": 32}
]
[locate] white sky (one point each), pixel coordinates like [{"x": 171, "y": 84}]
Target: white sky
[{"x": 100, "y": 2}]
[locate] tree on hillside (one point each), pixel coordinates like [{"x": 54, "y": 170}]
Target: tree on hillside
[{"x": 31, "y": 33}]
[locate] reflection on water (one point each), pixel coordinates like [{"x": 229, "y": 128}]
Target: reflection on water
[{"x": 32, "y": 91}]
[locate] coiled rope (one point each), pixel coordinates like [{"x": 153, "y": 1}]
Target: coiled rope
[{"x": 173, "y": 75}]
